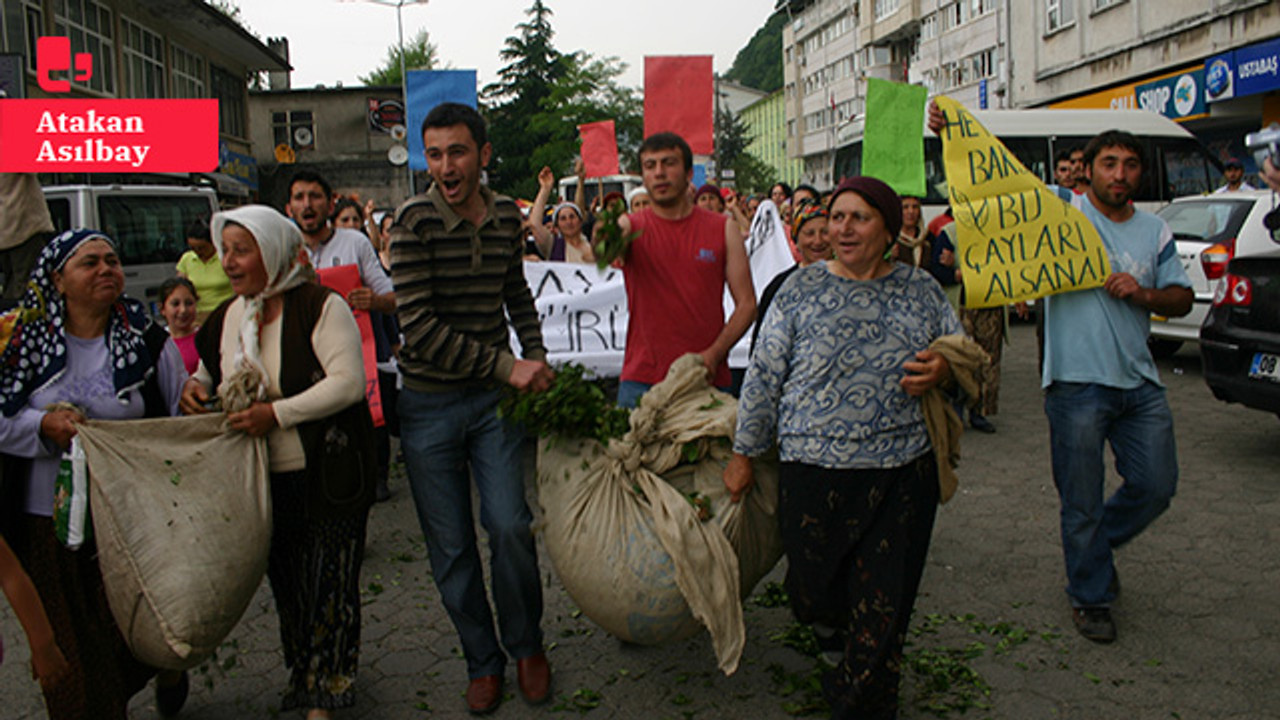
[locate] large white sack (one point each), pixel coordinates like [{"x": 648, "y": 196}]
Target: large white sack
[
  {"x": 182, "y": 514},
  {"x": 626, "y": 542}
]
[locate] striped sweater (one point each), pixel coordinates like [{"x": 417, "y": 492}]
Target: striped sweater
[{"x": 456, "y": 284}]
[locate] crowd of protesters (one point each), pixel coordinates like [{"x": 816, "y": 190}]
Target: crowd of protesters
[{"x": 859, "y": 352}]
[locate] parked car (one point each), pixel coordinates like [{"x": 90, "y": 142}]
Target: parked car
[
  {"x": 1198, "y": 223},
  {"x": 1240, "y": 338}
]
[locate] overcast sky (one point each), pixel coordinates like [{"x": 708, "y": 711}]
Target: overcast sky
[{"x": 334, "y": 41}]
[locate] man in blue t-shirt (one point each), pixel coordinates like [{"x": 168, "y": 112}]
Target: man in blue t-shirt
[{"x": 1101, "y": 385}]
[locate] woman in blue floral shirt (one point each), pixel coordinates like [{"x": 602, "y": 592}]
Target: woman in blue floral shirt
[{"x": 835, "y": 382}]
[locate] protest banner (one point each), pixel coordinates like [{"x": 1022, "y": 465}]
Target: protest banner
[
  {"x": 893, "y": 148},
  {"x": 343, "y": 279},
  {"x": 1016, "y": 239},
  {"x": 679, "y": 97},
  {"x": 599, "y": 149},
  {"x": 427, "y": 89}
]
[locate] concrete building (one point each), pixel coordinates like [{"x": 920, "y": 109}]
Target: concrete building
[
  {"x": 147, "y": 49},
  {"x": 1208, "y": 64},
  {"x": 820, "y": 88},
  {"x": 766, "y": 120},
  {"x": 831, "y": 47},
  {"x": 343, "y": 133}
]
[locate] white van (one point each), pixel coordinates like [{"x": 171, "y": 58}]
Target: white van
[
  {"x": 147, "y": 222},
  {"x": 1178, "y": 164},
  {"x": 599, "y": 186}
]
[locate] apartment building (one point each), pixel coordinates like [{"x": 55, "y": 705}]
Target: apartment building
[{"x": 831, "y": 47}]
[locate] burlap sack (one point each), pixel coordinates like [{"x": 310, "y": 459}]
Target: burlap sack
[
  {"x": 182, "y": 514},
  {"x": 627, "y": 543}
]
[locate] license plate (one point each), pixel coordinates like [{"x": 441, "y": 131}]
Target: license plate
[{"x": 1265, "y": 367}]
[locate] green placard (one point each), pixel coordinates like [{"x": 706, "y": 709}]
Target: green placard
[{"x": 893, "y": 137}]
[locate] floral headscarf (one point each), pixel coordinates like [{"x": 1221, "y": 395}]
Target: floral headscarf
[
  {"x": 804, "y": 212},
  {"x": 36, "y": 354}
]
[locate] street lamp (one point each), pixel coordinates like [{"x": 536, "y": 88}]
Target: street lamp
[{"x": 404, "y": 77}]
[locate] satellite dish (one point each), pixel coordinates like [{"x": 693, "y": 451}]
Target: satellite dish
[
  {"x": 398, "y": 154},
  {"x": 285, "y": 155},
  {"x": 302, "y": 136},
  {"x": 398, "y": 132}
]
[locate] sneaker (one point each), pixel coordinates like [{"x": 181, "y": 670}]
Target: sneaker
[{"x": 1095, "y": 624}]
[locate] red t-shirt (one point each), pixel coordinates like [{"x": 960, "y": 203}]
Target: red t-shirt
[{"x": 675, "y": 292}]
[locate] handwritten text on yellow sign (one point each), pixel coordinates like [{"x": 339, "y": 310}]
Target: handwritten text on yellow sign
[{"x": 1016, "y": 239}]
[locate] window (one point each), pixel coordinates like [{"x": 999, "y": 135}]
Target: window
[
  {"x": 89, "y": 26},
  {"x": 980, "y": 7},
  {"x": 229, "y": 90},
  {"x": 885, "y": 8},
  {"x": 954, "y": 14},
  {"x": 929, "y": 27},
  {"x": 1104, "y": 4},
  {"x": 967, "y": 70},
  {"x": 34, "y": 21},
  {"x": 187, "y": 75},
  {"x": 1059, "y": 14},
  {"x": 142, "y": 54},
  {"x": 150, "y": 229},
  {"x": 293, "y": 128}
]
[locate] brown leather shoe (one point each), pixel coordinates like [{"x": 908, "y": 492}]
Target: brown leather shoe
[
  {"x": 484, "y": 694},
  {"x": 534, "y": 675}
]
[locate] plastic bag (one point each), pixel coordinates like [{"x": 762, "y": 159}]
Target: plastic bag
[{"x": 71, "y": 499}]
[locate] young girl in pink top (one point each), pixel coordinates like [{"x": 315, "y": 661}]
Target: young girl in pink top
[{"x": 178, "y": 306}]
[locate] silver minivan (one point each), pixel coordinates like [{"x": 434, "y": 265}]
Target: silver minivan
[{"x": 148, "y": 223}]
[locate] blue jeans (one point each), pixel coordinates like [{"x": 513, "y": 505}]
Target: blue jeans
[
  {"x": 449, "y": 438},
  {"x": 630, "y": 391},
  {"x": 1138, "y": 425}
]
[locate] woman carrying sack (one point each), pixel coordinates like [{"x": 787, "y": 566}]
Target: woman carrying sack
[
  {"x": 80, "y": 342},
  {"x": 285, "y": 358},
  {"x": 835, "y": 382}
]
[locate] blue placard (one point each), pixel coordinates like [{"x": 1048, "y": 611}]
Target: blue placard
[
  {"x": 982, "y": 94},
  {"x": 427, "y": 89},
  {"x": 1175, "y": 97},
  {"x": 699, "y": 174},
  {"x": 1257, "y": 68}
]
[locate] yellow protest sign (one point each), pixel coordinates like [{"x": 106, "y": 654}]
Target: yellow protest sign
[{"x": 1016, "y": 239}]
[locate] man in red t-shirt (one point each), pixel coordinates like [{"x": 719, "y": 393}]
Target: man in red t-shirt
[{"x": 676, "y": 272}]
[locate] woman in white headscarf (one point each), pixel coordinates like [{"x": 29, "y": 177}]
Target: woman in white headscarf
[{"x": 284, "y": 356}]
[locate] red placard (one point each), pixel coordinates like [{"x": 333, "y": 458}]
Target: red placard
[
  {"x": 599, "y": 149},
  {"x": 48, "y": 135},
  {"x": 344, "y": 279},
  {"x": 679, "y": 97}
]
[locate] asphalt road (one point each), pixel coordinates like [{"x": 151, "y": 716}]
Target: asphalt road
[{"x": 1198, "y": 619}]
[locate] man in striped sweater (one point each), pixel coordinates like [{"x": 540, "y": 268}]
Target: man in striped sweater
[{"x": 456, "y": 263}]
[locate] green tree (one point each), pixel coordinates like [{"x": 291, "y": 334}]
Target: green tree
[
  {"x": 732, "y": 139},
  {"x": 759, "y": 63},
  {"x": 540, "y": 98},
  {"x": 587, "y": 92},
  {"x": 419, "y": 54},
  {"x": 533, "y": 66}
]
